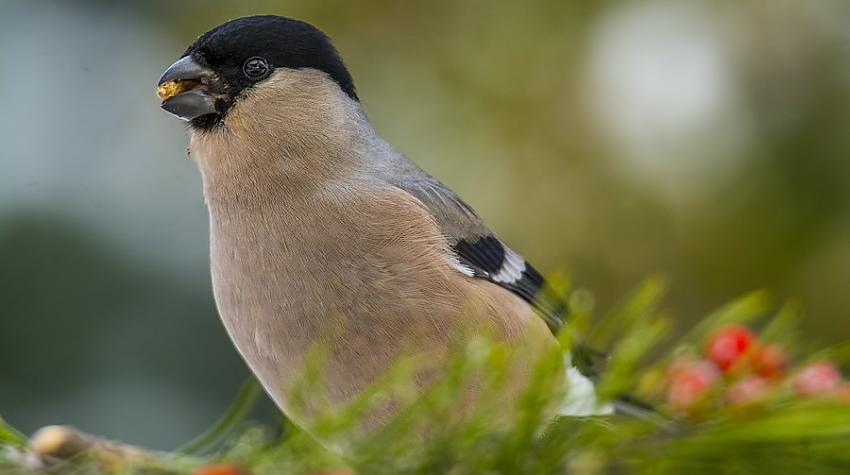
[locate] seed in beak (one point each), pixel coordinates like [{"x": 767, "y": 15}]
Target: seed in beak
[{"x": 167, "y": 90}]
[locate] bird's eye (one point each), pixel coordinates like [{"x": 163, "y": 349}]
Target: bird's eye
[{"x": 256, "y": 68}]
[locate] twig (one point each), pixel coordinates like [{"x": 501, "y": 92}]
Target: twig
[{"x": 52, "y": 443}]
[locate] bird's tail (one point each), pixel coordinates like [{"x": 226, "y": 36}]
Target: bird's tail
[
  {"x": 581, "y": 364},
  {"x": 633, "y": 407},
  {"x": 582, "y": 400}
]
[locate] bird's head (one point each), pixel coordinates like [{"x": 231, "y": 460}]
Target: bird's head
[{"x": 275, "y": 59}]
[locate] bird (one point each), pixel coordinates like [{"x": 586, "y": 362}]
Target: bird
[{"x": 322, "y": 233}]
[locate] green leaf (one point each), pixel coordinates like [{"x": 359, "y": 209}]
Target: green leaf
[{"x": 11, "y": 436}]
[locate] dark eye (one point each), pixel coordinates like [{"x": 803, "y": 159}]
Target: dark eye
[{"x": 256, "y": 68}]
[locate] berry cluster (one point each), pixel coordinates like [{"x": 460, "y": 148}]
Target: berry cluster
[
  {"x": 737, "y": 370},
  {"x": 221, "y": 469},
  {"x": 235, "y": 469}
]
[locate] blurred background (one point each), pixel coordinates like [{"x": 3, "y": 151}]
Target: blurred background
[{"x": 708, "y": 140}]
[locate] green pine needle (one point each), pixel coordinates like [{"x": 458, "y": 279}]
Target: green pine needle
[{"x": 238, "y": 411}]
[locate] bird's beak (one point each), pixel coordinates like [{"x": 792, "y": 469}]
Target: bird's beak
[{"x": 184, "y": 91}]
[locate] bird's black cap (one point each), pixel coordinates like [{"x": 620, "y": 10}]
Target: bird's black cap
[{"x": 283, "y": 42}]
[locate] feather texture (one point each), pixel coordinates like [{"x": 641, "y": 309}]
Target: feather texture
[{"x": 478, "y": 249}]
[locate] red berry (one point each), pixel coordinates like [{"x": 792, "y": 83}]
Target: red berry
[
  {"x": 728, "y": 344},
  {"x": 748, "y": 390},
  {"x": 221, "y": 469},
  {"x": 691, "y": 383},
  {"x": 770, "y": 361},
  {"x": 817, "y": 379},
  {"x": 676, "y": 366}
]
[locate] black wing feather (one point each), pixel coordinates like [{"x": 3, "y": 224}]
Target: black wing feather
[{"x": 487, "y": 256}]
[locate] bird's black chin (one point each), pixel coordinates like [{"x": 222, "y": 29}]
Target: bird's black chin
[{"x": 206, "y": 122}]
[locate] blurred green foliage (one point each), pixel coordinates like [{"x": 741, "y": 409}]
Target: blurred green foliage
[{"x": 783, "y": 433}]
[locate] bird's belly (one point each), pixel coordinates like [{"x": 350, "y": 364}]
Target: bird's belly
[
  {"x": 361, "y": 297},
  {"x": 358, "y": 312}
]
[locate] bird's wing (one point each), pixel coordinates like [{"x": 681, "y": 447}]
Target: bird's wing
[{"x": 480, "y": 253}]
